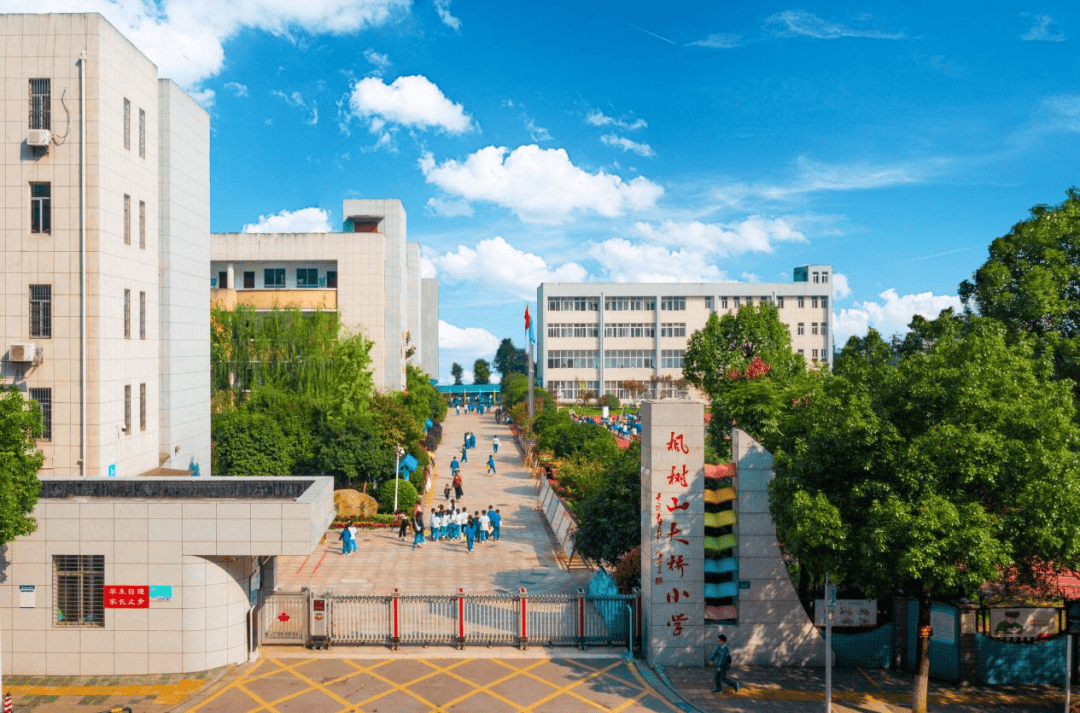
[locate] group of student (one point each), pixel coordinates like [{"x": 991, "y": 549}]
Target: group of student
[{"x": 455, "y": 523}]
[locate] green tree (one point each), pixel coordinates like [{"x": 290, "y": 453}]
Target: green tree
[
  {"x": 250, "y": 443},
  {"x": 935, "y": 465},
  {"x": 457, "y": 372},
  {"x": 420, "y": 397},
  {"x": 406, "y": 496},
  {"x": 609, "y": 520},
  {"x": 481, "y": 372},
  {"x": 1029, "y": 283},
  {"x": 356, "y": 451},
  {"x": 510, "y": 359},
  {"x": 20, "y": 460}
]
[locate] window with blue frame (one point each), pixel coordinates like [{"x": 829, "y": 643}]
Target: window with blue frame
[{"x": 274, "y": 277}]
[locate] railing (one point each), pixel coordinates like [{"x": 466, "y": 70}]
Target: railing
[{"x": 460, "y": 619}]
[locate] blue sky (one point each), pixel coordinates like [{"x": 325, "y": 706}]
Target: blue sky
[{"x": 634, "y": 141}]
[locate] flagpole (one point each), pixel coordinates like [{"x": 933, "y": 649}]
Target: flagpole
[{"x": 532, "y": 367}]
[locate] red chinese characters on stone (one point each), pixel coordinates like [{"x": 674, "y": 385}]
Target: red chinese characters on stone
[
  {"x": 676, "y": 505},
  {"x": 676, "y": 443},
  {"x": 676, "y": 593},
  {"x": 675, "y": 530},
  {"x": 677, "y": 620},
  {"x": 675, "y": 562},
  {"x": 125, "y": 597},
  {"x": 676, "y": 477}
]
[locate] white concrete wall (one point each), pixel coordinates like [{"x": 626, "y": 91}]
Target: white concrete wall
[
  {"x": 429, "y": 315},
  {"x": 184, "y": 253}
]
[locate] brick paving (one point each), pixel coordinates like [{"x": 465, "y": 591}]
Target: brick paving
[{"x": 524, "y": 557}]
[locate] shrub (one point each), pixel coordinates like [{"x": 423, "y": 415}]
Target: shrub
[
  {"x": 406, "y": 496},
  {"x": 610, "y": 400},
  {"x": 628, "y": 572}
]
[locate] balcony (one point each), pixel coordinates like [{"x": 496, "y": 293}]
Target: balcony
[{"x": 304, "y": 299}]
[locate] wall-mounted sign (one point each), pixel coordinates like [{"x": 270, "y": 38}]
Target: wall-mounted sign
[
  {"x": 112, "y": 470},
  {"x": 744, "y": 584},
  {"x": 27, "y": 596},
  {"x": 160, "y": 592},
  {"x": 848, "y": 612},
  {"x": 944, "y": 626},
  {"x": 126, "y": 596}
]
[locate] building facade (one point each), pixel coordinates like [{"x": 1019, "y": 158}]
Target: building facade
[
  {"x": 605, "y": 338},
  {"x": 368, "y": 273},
  {"x": 105, "y": 248}
]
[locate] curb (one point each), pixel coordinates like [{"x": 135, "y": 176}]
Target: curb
[{"x": 659, "y": 681}]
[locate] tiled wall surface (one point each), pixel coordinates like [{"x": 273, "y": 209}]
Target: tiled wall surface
[{"x": 206, "y": 551}]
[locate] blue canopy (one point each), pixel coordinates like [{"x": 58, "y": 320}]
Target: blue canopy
[{"x": 408, "y": 464}]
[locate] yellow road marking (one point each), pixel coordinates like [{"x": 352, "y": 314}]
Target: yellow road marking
[
  {"x": 183, "y": 687},
  {"x": 646, "y": 686}
]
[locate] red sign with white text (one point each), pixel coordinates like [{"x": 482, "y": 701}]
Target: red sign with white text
[{"x": 127, "y": 597}]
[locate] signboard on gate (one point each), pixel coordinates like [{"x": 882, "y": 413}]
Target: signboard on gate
[{"x": 118, "y": 596}]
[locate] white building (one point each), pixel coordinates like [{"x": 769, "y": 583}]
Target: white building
[
  {"x": 105, "y": 244},
  {"x": 596, "y": 337},
  {"x": 368, "y": 273}
]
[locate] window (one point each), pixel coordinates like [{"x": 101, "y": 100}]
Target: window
[
  {"x": 573, "y": 331},
  {"x": 223, "y": 279},
  {"x": 572, "y": 359},
  {"x": 274, "y": 277},
  {"x": 44, "y": 402},
  {"x": 723, "y": 303},
  {"x": 127, "y": 314},
  {"x": 142, "y": 224},
  {"x": 800, "y": 351},
  {"x": 629, "y": 304},
  {"x": 127, "y": 219},
  {"x": 765, "y": 299},
  {"x": 813, "y": 302},
  {"x": 824, "y": 303},
  {"x": 801, "y": 329},
  {"x": 142, "y": 315},
  {"x": 737, "y": 300},
  {"x": 817, "y": 277},
  {"x": 708, "y": 302},
  {"x": 331, "y": 279},
  {"x": 142, "y": 407},
  {"x": 633, "y": 329},
  {"x": 127, "y": 123},
  {"x": 40, "y": 207},
  {"x": 672, "y": 358},
  {"x": 142, "y": 133},
  {"x": 824, "y": 329},
  {"x": 629, "y": 358},
  {"x": 813, "y": 328},
  {"x": 801, "y": 302},
  {"x": 780, "y": 302},
  {"x": 79, "y": 587},
  {"x": 307, "y": 277},
  {"x": 673, "y": 329},
  {"x": 824, "y": 277},
  {"x": 40, "y": 311},
  {"x": 249, "y": 280},
  {"x": 813, "y": 354},
  {"x": 574, "y": 304},
  {"x": 127, "y": 408},
  {"x": 673, "y": 303},
  {"x": 40, "y": 104},
  {"x": 365, "y": 226}
]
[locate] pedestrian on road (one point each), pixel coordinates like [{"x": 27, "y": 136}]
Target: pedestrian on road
[
  {"x": 496, "y": 521},
  {"x": 470, "y": 532},
  {"x": 485, "y": 524},
  {"x": 456, "y": 483},
  {"x": 346, "y": 540},
  {"x": 722, "y": 658},
  {"x": 457, "y": 409},
  {"x": 404, "y": 524},
  {"x": 491, "y": 464},
  {"x": 455, "y": 466},
  {"x": 495, "y": 445},
  {"x": 418, "y": 528},
  {"x": 465, "y": 452}
]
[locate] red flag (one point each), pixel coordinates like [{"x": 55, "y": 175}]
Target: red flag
[{"x": 526, "y": 318}]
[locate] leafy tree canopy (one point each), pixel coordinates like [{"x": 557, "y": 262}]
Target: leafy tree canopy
[
  {"x": 934, "y": 465},
  {"x": 457, "y": 372},
  {"x": 20, "y": 460},
  {"x": 1031, "y": 282},
  {"x": 481, "y": 372},
  {"x": 510, "y": 359}
]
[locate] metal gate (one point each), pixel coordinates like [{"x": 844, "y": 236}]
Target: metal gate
[{"x": 456, "y": 619}]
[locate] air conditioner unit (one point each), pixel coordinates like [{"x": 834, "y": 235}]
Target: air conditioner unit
[
  {"x": 39, "y": 138},
  {"x": 24, "y": 352}
]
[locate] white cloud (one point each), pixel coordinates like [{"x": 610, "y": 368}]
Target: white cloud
[
  {"x": 799, "y": 23},
  {"x": 380, "y": 61},
  {"x": 186, "y": 39},
  {"x": 720, "y": 41},
  {"x": 237, "y": 88},
  {"x": 497, "y": 266},
  {"x": 475, "y": 339},
  {"x": 537, "y": 133},
  {"x": 755, "y": 234},
  {"x": 442, "y": 7},
  {"x": 891, "y": 314},
  {"x": 296, "y": 99},
  {"x": 204, "y": 97},
  {"x": 539, "y": 185},
  {"x": 449, "y": 208},
  {"x": 623, "y": 261},
  {"x": 840, "y": 287},
  {"x": 599, "y": 118},
  {"x": 1065, "y": 111},
  {"x": 641, "y": 149},
  {"x": 305, "y": 220},
  {"x": 1044, "y": 30},
  {"x": 412, "y": 101}
]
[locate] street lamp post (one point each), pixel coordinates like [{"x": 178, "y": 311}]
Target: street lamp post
[{"x": 399, "y": 452}]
